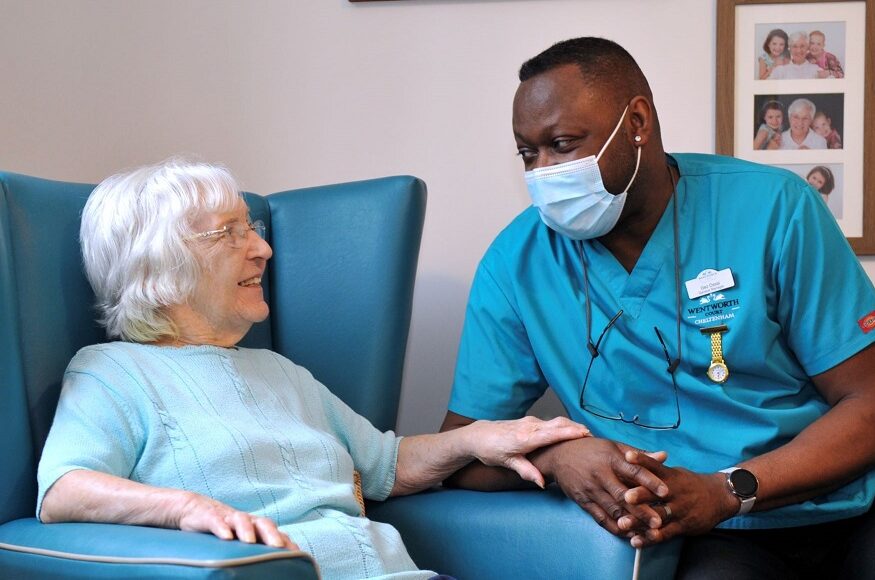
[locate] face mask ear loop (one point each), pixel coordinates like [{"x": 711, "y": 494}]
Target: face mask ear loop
[
  {"x": 634, "y": 173},
  {"x": 611, "y": 138}
]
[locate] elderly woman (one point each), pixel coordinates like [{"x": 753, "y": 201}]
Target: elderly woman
[
  {"x": 175, "y": 426},
  {"x": 800, "y": 135},
  {"x": 799, "y": 67}
]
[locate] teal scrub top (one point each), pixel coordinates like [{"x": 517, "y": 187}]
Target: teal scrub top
[{"x": 798, "y": 307}]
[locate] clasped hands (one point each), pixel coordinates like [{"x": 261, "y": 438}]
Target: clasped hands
[{"x": 632, "y": 494}]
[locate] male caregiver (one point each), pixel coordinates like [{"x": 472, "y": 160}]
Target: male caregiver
[{"x": 706, "y": 310}]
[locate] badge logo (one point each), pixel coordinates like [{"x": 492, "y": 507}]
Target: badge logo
[
  {"x": 716, "y": 308},
  {"x": 867, "y": 323}
]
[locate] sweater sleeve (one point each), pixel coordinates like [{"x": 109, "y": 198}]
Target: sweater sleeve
[
  {"x": 374, "y": 453},
  {"x": 93, "y": 427}
]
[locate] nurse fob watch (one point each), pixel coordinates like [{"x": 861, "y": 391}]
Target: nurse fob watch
[{"x": 717, "y": 371}]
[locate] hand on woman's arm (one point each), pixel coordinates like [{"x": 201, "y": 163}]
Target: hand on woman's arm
[
  {"x": 425, "y": 460},
  {"x": 475, "y": 475},
  {"x": 90, "y": 496}
]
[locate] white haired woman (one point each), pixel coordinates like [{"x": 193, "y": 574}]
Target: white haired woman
[
  {"x": 799, "y": 67},
  {"x": 800, "y": 135},
  {"x": 174, "y": 426}
]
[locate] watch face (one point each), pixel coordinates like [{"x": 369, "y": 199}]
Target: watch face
[
  {"x": 744, "y": 482},
  {"x": 718, "y": 372}
]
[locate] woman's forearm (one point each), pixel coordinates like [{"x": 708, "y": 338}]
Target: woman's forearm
[
  {"x": 90, "y": 496},
  {"x": 426, "y": 460}
]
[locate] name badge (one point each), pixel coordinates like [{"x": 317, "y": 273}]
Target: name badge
[{"x": 709, "y": 281}]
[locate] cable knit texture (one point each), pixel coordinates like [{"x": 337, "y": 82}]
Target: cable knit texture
[{"x": 245, "y": 427}]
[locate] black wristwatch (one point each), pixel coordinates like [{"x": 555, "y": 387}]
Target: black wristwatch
[{"x": 742, "y": 484}]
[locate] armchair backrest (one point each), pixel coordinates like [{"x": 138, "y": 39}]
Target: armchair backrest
[{"x": 340, "y": 287}]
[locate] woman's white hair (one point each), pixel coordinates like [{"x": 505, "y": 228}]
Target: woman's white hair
[
  {"x": 802, "y": 103},
  {"x": 133, "y": 234},
  {"x": 798, "y": 35}
]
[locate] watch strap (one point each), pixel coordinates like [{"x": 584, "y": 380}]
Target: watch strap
[{"x": 716, "y": 347}]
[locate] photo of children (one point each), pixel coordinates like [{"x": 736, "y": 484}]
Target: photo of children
[
  {"x": 798, "y": 121},
  {"x": 826, "y": 179},
  {"x": 799, "y": 50}
]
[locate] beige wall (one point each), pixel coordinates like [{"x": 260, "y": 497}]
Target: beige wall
[{"x": 291, "y": 93}]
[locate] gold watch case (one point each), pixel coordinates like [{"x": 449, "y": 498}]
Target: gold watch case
[{"x": 718, "y": 372}]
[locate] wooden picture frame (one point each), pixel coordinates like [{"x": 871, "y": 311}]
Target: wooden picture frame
[{"x": 839, "y": 88}]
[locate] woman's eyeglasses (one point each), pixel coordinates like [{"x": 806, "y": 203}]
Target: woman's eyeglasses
[{"x": 235, "y": 234}]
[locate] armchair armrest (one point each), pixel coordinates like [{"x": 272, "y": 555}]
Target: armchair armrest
[
  {"x": 514, "y": 534},
  {"x": 30, "y": 549}
]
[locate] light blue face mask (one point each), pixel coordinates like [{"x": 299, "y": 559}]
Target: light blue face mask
[{"x": 572, "y": 199}]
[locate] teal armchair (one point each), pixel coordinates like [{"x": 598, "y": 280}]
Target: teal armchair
[{"x": 340, "y": 287}]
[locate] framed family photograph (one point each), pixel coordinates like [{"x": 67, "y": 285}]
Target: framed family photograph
[{"x": 796, "y": 89}]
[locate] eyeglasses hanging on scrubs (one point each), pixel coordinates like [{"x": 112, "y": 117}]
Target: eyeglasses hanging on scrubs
[
  {"x": 571, "y": 197},
  {"x": 593, "y": 348}
]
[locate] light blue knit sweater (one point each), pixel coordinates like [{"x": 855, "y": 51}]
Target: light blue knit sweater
[{"x": 246, "y": 427}]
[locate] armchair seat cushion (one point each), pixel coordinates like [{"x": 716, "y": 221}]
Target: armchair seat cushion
[{"x": 514, "y": 534}]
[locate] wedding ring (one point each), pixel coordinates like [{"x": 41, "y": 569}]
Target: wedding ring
[{"x": 667, "y": 512}]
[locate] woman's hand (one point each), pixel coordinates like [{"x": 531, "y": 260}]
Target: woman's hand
[
  {"x": 425, "y": 460},
  {"x": 506, "y": 443},
  {"x": 202, "y": 514},
  {"x": 82, "y": 495}
]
